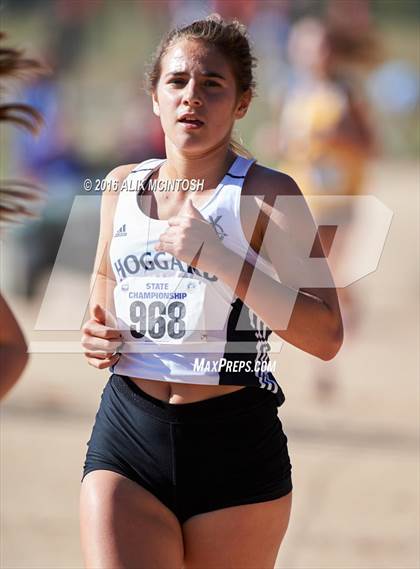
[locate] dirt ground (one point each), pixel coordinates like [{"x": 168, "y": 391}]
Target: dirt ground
[{"x": 355, "y": 458}]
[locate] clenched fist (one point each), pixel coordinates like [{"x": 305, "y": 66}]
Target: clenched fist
[
  {"x": 101, "y": 339},
  {"x": 189, "y": 234}
]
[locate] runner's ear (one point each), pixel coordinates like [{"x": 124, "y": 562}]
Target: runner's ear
[{"x": 155, "y": 103}]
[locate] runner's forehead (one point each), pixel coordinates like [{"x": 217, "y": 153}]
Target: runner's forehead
[{"x": 188, "y": 57}]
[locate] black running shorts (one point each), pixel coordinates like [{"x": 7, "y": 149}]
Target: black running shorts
[{"x": 194, "y": 457}]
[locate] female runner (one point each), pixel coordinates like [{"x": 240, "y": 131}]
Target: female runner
[
  {"x": 187, "y": 466},
  {"x": 327, "y": 141}
]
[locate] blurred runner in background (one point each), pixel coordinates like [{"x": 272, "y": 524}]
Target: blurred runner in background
[{"x": 326, "y": 137}]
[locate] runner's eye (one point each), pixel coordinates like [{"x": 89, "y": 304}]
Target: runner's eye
[{"x": 177, "y": 82}]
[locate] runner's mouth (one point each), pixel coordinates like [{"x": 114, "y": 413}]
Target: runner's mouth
[{"x": 191, "y": 121}]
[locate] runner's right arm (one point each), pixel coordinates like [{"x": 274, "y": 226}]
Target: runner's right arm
[{"x": 101, "y": 338}]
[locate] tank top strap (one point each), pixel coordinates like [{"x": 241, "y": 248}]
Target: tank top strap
[
  {"x": 229, "y": 199},
  {"x": 133, "y": 183},
  {"x": 147, "y": 166},
  {"x": 240, "y": 168}
]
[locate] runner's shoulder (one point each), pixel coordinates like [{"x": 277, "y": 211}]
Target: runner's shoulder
[
  {"x": 270, "y": 183},
  {"x": 113, "y": 186},
  {"x": 117, "y": 175}
]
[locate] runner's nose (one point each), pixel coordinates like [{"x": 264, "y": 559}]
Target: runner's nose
[{"x": 191, "y": 95}]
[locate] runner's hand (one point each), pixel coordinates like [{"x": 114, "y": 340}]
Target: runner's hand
[
  {"x": 101, "y": 339},
  {"x": 188, "y": 234}
]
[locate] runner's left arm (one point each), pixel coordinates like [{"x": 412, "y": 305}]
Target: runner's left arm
[{"x": 307, "y": 317}]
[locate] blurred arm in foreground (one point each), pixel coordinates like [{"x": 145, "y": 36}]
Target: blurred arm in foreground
[
  {"x": 13, "y": 349},
  {"x": 16, "y": 203}
]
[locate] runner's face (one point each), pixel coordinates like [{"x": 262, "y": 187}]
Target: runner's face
[{"x": 198, "y": 81}]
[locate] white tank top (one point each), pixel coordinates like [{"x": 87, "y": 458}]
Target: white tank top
[{"x": 180, "y": 324}]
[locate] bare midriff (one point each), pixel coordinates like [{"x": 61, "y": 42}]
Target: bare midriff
[{"x": 177, "y": 393}]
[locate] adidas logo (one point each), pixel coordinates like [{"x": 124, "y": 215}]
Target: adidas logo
[{"x": 122, "y": 231}]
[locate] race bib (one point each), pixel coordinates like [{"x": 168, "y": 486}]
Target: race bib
[{"x": 160, "y": 309}]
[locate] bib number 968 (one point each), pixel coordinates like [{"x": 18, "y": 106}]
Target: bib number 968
[{"x": 156, "y": 319}]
